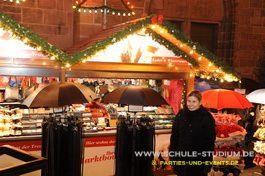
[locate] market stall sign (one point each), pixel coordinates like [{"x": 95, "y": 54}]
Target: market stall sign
[{"x": 168, "y": 60}]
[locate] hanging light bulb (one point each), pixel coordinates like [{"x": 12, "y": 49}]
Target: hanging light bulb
[
  {"x": 119, "y": 14},
  {"x": 191, "y": 51},
  {"x": 181, "y": 45},
  {"x": 124, "y": 14},
  {"x": 52, "y": 58},
  {"x": 90, "y": 11},
  {"x": 113, "y": 13},
  {"x": 170, "y": 64},
  {"x": 133, "y": 13},
  {"x": 101, "y": 10},
  {"x": 67, "y": 65},
  {"x": 129, "y": 14},
  {"x": 84, "y": 11},
  {"x": 96, "y": 11}
]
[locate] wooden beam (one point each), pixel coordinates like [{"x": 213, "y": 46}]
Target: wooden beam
[
  {"x": 105, "y": 66},
  {"x": 124, "y": 75}
]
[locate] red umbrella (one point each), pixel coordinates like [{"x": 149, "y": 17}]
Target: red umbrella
[{"x": 222, "y": 98}]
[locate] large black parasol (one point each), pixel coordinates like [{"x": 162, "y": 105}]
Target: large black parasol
[
  {"x": 135, "y": 95},
  {"x": 60, "y": 94}
]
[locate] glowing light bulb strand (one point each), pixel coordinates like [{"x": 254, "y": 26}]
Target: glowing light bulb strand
[
  {"x": 102, "y": 8},
  {"x": 17, "y": 1}
]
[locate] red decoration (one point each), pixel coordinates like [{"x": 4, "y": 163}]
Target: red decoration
[
  {"x": 157, "y": 19},
  {"x": 160, "y": 19},
  {"x": 154, "y": 19}
]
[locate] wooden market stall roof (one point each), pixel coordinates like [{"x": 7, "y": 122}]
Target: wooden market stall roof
[{"x": 206, "y": 64}]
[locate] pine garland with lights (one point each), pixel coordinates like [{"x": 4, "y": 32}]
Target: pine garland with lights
[
  {"x": 170, "y": 46},
  {"x": 32, "y": 39},
  {"x": 199, "y": 49},
  {"x": 103, "y": 44},
  {"x": 132, "y": 28}
]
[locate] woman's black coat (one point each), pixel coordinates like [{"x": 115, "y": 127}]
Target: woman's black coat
[{"x": 192, "y": 131}]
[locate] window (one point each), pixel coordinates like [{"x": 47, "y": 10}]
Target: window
[
  {"x": 177, "y": 24},
  {"x": 205, "y": 34}
]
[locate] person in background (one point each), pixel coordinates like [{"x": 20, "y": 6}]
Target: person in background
[
  {"x": 97, "y": 109},
  {"x": 260, "y": 114},
  {"x": 193, "y": 133}
]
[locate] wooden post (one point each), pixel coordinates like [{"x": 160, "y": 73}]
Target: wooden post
[
  {"x": 63, "y": 72},
  {"x": 190, "y": 82}
]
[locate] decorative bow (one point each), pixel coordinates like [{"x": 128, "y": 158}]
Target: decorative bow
[{"x": 157, "y": 19}]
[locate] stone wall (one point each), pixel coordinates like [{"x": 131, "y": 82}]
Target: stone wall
[
  {"x": 51, "y": 19},
  {"x": 250, "y": 36}
]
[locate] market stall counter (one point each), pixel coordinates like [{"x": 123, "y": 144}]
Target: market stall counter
[{"x": 99, "y": 150}]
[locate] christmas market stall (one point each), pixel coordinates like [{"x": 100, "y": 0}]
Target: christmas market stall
[{"x": 147, "y": 52}]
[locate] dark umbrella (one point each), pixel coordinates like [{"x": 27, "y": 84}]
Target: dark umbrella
[
  {"x": 137, "y": 135},
  {"x": 59, "y": 94},
  {"x": 135, "y": 95}
]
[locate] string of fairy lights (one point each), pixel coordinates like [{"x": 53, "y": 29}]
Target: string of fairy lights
[
  {"x": 222, "y": 72},
  {"x": 106, "y": 9},
  {"x": 17, "y": 1}
]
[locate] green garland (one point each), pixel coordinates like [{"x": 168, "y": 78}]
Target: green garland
[
  {"x": 104, "y": 8},
  {"x": 103, "y": 44},
  {"x": 100, "y": 45},
  {"x": 170, "y": 46},
  {"x": 33, "y": 39},
  {"x": 62, "y": 58},
  {"x": 199, "y": 49}
]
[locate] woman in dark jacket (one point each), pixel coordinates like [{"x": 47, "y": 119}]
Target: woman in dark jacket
[{"x": 192, "y": 139}]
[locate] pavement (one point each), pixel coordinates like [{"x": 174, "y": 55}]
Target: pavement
[{"x": 254, "y": 171}]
